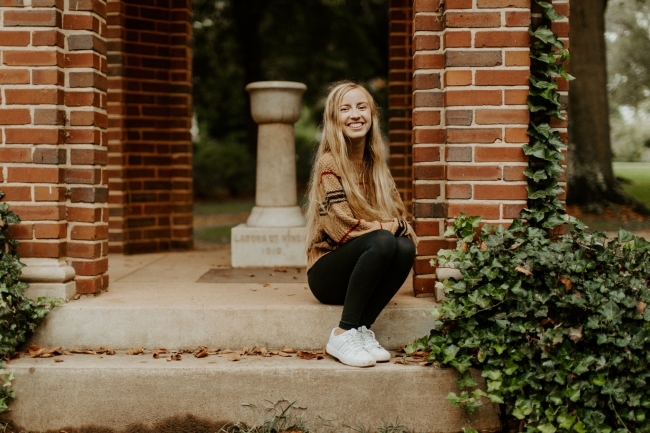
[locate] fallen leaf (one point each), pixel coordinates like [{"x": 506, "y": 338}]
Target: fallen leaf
[
  {"x": 295, "y": 278},
  {"x": 463, "y": 246},
  {"x": 517, "y": 245},
  {"x": 266, "y": 285},
  {"x": 176, "y": 357},
  {"x": 567, "y": 283},
  {"x": 226, "y": 351},
  {"x": 110, "y": 351},
  {"x": 303, "y": 354},
  {"x": 289, "y": 350},
  {"x": 58, "y": 360},
  {"x": 201, "y": 352},
  {"x": 424, "y": 363},
  {"x": 76, "y": 297},
  {"x": 280, "y": 270},
  {"x": 234, "y": 357},
  {"x": 251, "y": 275},
  {"x": 34, "y": 351},
  {"x": 135, "y": 351},
  {"x": 47, "y": 355},
  {"x": 89, "y": 352},
  {"x": 484, "y": 246},
  {"x": 65, "y": 352},
  {"x": 640, "y": 307},
  {"x": 523, "y": 270},
  {"x": 575, "y": 334},
  {"x": 402, "y": 361},
  {"x": 156, "y": 355},
  {"x": 76, "y": 351},
  {"x": 284, "y": 354}
]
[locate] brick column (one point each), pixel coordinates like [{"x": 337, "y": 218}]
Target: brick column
[
  {"x": 400, "y": 96},
  {"x": 53, "y": 119},
  {"x": 150, "y": 148},
  {"x": 474, "y": 154}
]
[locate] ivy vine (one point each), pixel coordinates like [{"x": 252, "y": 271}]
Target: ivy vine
[
  {"x": 547, "y": 54},
  {"x": 19, "y": 315},
  {"x": 557, "y": 325}
]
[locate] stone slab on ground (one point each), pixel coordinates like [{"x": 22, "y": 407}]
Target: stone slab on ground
[{"x": 119, "y": 390}]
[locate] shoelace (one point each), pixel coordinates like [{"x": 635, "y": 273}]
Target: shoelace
[
  {"x": 355, "y": 341},
  {"x": 368, "y": 338}
]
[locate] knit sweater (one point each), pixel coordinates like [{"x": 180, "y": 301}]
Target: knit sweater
[{"x": 337, "y": 223}]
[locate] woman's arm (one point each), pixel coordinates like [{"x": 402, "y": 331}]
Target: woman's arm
[{"x": 337, "y": 217}]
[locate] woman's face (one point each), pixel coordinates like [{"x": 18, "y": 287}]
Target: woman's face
[{"x": 355, "y": 114}]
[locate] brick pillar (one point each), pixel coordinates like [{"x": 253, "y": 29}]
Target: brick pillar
[
  {"x": 400, "y": 95},
  {"x": 150, "y": 147},
  {"x": 469, "y": 140},
  {"x": 52, "y": 149}
]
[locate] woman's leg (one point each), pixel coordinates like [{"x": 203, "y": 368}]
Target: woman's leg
[
  {"x": 395, "y": 275},
  {"x": 352, "y": 274}
]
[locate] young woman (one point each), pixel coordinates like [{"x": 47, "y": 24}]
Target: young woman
[{"x": 360, "y": 247}]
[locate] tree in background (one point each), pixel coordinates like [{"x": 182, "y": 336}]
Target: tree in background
[
  {"x": 628, "y": 62},
  {"x": 591, "y": 182},
  {"x": 314, "y": 42}
]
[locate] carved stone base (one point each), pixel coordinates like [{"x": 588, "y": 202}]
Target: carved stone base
[
  {"x": 254, "y": 247},
  {"x": 52, "y": 278}
]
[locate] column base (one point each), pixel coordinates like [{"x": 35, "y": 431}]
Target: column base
[
  {"x": 52, "y": 278},
  {"x": 255, "y": 247}
]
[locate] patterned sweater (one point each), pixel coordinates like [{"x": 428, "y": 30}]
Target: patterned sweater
[{"x": 337, "y": 224}]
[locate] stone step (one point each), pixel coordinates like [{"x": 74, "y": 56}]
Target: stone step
[
  {"x": 157, "y": 301},
  {"x": 217, "y": 316},
  {"x": 116, "y": 391}
]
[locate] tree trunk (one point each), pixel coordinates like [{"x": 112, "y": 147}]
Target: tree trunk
[
  {"x": 591, "y": 181},
  {"x": 248, "y": 17}
]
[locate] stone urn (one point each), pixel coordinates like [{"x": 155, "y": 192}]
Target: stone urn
[{"x": 275, "y": 107}]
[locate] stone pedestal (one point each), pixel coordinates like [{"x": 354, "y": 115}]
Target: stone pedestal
[
  {"x": 52, "y": 278},
  {"x": 274, "y": 234}
]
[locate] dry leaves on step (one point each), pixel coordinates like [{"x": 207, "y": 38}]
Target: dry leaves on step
[
  {"x": 234, "y": 357},
  {"x": 289, "y": 350},
  {"x": 266, "y": 285},
  {"x": 284, "y": 354},
  {"x": 44, "y": 352},
  {"x": 201, "y": 352},
  {"x": 135, "y": 351},
  {"x": 402, "y": 361},
  {"x": 317, "y": 354},
  {"x": 175, "y": 357},
  {"x": 280, "y": 270}
]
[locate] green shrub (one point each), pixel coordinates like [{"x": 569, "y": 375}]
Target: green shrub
[
  {"x": 559, "y": 327},
  {"x": 19, "y": 315}
]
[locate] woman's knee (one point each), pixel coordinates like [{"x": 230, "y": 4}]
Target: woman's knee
[
  {"x": 405, "y": 248},
  {"x": 383, "y": 242}
]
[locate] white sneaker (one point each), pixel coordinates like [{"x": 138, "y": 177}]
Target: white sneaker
[
  {"x": 372, "y": 346},
  {"x": 348, "y": 348}
]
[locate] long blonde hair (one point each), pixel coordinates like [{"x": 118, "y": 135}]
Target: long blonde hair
[{"x": 381, "y": 203}]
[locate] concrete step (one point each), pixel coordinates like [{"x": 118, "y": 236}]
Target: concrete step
[
  {"x": 156, "y": 301},
  {"x": 116, "y": 391}
]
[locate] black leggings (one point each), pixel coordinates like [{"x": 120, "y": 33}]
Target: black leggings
[{"x": 362, "y": 275}]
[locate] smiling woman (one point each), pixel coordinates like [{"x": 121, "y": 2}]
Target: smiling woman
[{"x": 360, "y": 246}]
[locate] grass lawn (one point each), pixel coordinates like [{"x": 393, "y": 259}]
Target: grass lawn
[
  {"x": 228, "y": 206},
  {"x": 638, "y": 173}
]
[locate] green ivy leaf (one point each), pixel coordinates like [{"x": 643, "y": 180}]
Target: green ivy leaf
[{"x": 547, "y": 428}]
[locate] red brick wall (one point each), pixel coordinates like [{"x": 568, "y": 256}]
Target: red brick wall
[
  {"x": 150, "y": 169},
  {"x": 400, "y": 102},
  {"x": 470, "y": 84},
  {"x": 53, "y": 131}
]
